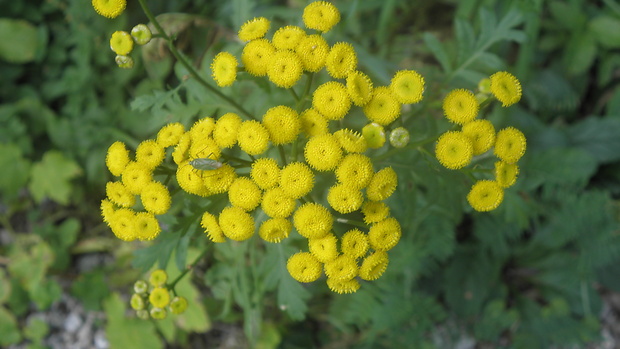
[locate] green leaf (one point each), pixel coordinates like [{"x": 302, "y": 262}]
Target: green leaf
[
  {"x": 557, "y": 166},
  {"x": 160, "y": 251},
  {"x": 5, "y": 286},
  {"x": 60, "y": 237},
  {"x": 52, "y": 177},
  {"x": 15, "y": 173},
  {"x": 45, "y": 293},
  {"x": 125, "y": 332},
  {"x": 9, "y": 332},
  {"x": 292, "y": 296},
  {"x": 599, "y": 137},
  {"x": 580, "y": 53},
  {"x": 438, "y": 51},
  {"x": 606, "y": 30},
  {"x": 36, "y": 329},
  {"x": 20, "y": 40},
  {"x": 30, "y": 258},
  {"x": 91, "y": 288},
  {"x": 571, "y": 17}
]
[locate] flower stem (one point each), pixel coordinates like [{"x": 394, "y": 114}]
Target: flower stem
[{"x": 187, "y": 269}]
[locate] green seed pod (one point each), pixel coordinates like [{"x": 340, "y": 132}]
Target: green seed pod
[
  {"x": 178, "y": 305},
  {"x": 399, "y": 137},
  {"x": 374, "y": 135},
  {"x": 124, "y": 61},
  {"x": 158, "y": 313},
  {"x": 143, "y": 314},
  {"x": 158, "y": 278},
  {"x": 141, "y": 34},
  {"x": 140, "y": 287},
  {"x": 137, "y": 302}
]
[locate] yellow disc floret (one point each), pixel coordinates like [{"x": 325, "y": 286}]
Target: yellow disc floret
[
  {"x": 454, "y": 150},
  {"x": 343, "y": 286},
  {"x": 375, "y": 211},
  {"x": 288, "y": 37},
  {"x": 345, "y": 198},
  {"x": 506, "y": 88},
  {"x": 109, "y": 8},
  {"x": 212, "y": 228},
  {"x": 277, "y": 204},
  {"x": 244, "y": 193},
  {"x": 254, "y": 29},
  {"x": 382, "y": 184},
  {"x": 407, "y": 86},
  {"x": 117, "y": 158},
  {"x": 170, "y": 134},
  {"x": 485, "y": 195},
  {"x": 460, "y": 106},
  {"x": 374, "y": 265},
  {"x": 219, "y": 180},
  {"x": 283, "y": 124},
  {"x": 304, "y": 267},
  {"x": 150, "y": 154},
  {"x": 506, "y": 174},
  {"x": 159, "y": 297},
  {"x": 313, "y": 123},
  {"x": 355, "y": 170},
  {"x": 265, "y": 173},
  {"x": 285, "y": 68},
  {"x": 122, "y": 223},
  {"x": 482, "y": 135},
  {"x": 224, "y": 69},
  {"x": 253, "y": 137},
  {"x": 146, "y": 225},
  {"x": 190, "y": 180},
  {"x": 383, "y": 107},
  {"x": 510, "y": 145},
  {"x": 136, "y": 176},
  {"x": 275, "y": 229},
  {"x": 384, "y": 235},
  {"x": 321, "y": 15},
  {"x": 226, "y": 129},
  {"x": 359, "y": 87},
  {"x": 351, "y": 141},
  {"x": 341, "y": 60},
  {"x": 119, "y": 194},
  {"x": 341, "y": 268},
  {"x": 313, "y": 220},
  {"x": 256, "y": 56},
  {"x": 121, "y": 43},
  {"x": 324, "y": 249},
  {"x": 354, "y": 243},
  {"x": 323, "y": 152},
  {"x": 331, "y": 100},
  {"x": 236, "y": 224},
  {"x": 296, "y": 179},
  {"x": 313, "y": 51},
  {"x": 155, "y": 198}
]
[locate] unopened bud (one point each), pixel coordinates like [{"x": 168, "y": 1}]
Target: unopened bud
[
  {"x": 158, "y": 278},
  {"x": 158, "y": 313},
  {"x": 124, "y": 61},
  {"x": 374, "y": 135},
  {"x": 399, "y": 137},
  {"x": 484, "y": 86},
  {"x": 140, "y": 287},
  {"x": 137, "y": 302},
  {"x": 141, "y": 34},
  {"x": 178, "y": 305}
]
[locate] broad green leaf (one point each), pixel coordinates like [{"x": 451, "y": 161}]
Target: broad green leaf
[
  {"x": 606, "y": 30},
  {"x": 45, "y": 293},
  {"x": 123, "y": 332},
  {"x": 15, "y": 170},
  {"x": 52, "y": 176},
  {"x": 91, "y": 288},
  {"x": 60, "y": 237},
  {"x": 30, "y": 258},
  {"x": 598, "y": 137},
  {"x": 9, "y": 332},
  {"x": 568, "y": 15},
  {"x": 36, "y": 329},
  {"x": 557, "y": 166},
  {"x": 20, "y": 40}
]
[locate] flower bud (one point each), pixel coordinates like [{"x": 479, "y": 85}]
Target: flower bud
[
  {"x": 158, "y": 278},
  {"x": 137, "y": 302},
  {"x": 484, "y": 86},
  {"x": 178, "y": 305},
  {"x": 140, "y": 287},
  {"x": 374, "y": 135},
  {"x": 141, "y": 34},
  {"x": 158, "y": 313},
  {"x": 124, "y": 61},
  {"x": 399, "y": 137},
  {"x": 143, "y": 314}
]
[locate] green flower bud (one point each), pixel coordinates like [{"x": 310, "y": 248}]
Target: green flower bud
[
  {"x": 143, "y": 314},
  {"x": 140, "y": 287},
  {"x": 158, "y": 278},
  {"x": 399, "y": 137},
  {"x": 158, "y": 313},
  {"x": 484, "y": 86},
  {"x": 374, "y": 135},
  {"x": 124, "y": 61},
  {"x": 178, "y": 305},
  {"x": 141, "y": 34},
  {"x": 137, "y": 302}
]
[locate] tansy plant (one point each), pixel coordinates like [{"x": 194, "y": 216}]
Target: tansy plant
[{"x": 267, "y": 168}]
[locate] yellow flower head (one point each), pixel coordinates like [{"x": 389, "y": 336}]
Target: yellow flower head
[
  {"x": 170, "y": 134},
  {"x": 482, "y": 135},
  {"x": 454, "y": 150},
  {"x": 122, "y": 224},
  {"x": 283, "y": 124},
  {"x": 275, "y": 229},
  {"x": 341, "y": 268},
  {"x": 460, "y": 106},
  {"x": 374, "y": 265},
  {"x": 254, "y": 29},
  {"x": 313, "y": 123},
  {"x": 506, "y": 174},
  {"x": 343, "y": 286},
  {"x": 121, "y": 43},
  {"x": 304, "y": 267},
  {"x": 355, "y": 170},
  {"x": 345, "y": 198},
  {"x": 324, "y": 249},
  {"x": 407, "y": 86},
  {"x": 331, "y": 100},
  {"x": 485, "y": 195},
  {"x": 385, "y": 234},
  {"x": 374, "y": 134},
  {"x": 253, "y": 137},
  {"x": 179, "y": 155},
  {"x": 117, "y": 158},
  {"x": 256, "y": 56},
  {"x": 313, "y": 220},
  {"x": 510, "y": 145},
  {"x": 383, "y": 107},
  {"x": 202, "y": 129},
  {"x": 212, "y": 228},
  {"x": 146, "y": 225},
  {"x": 244, "y": 193},
  {"x": 375, "y": 211},
  {"x": 158, "y": 278},
  {"x": 136, "y": 176},
  {"x": 119, "y": 194},
  {"x": 359, "y": 87},
  {"x": 323, "y": 152},
  {"x": 285, "y": 68},
  {"x": 155, "y": 198},
  {"x": 205, "y": 148},
  {"x": 277, "y": 204},
  {"x": 287, "y": 38},
  {"x": 296, "y": 179},
  {"x": 224, "y": 69},
  {"x": 313, "y": 51},
  {"x": 226, "y": 129},
  {"x": 109, "y": 8},
  {"x": 159, "y": 297},
  {"x": 351, "y": 141},
  {"x": 236, "y": 224},
  {"x": 190, "y": 180},
  {"x": 341, "y": 60},
  {"x": 265, "y": 173},
  {"x": 354, "y": 243},
  {"x": 107, "y": 210},
  {"x": 382, "y": 184},
  {"x": 219, "y": 180},
  {"x": 506, "y": 88},
  {"x": 321, "y": 15},
  {"x": 150, "y": 154}
]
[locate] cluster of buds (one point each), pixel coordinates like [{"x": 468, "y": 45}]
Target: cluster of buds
[{"x": 152, "y": 299}]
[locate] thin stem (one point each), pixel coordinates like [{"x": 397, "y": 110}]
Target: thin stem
[
  {"x": 292, "y": 91},
  {"x": 234, "y": 158},
  {"x": 187, "y": 269},
  {"x": 282, "y": 155},
  {"x": 352, "y": 222},
  {"x": 300, "y": 102}
]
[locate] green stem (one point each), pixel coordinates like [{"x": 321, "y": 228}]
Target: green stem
[
  {"x": 292, "y": 91},
  {"x": 236, "y": 159},
  {"x": 282, "y": 155},
  {"x": 300, "y": 102},
  {"x": 187, "y": 270}
]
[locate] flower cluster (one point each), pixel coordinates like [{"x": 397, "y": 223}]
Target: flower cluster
[
  {"x": 455, "y": 149},
  {"x": 155, "y": 295}
]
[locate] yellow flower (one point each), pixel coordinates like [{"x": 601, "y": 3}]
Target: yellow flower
[
  {"x": 324, "y": 248},
  {"x": 285, "y": 68},
  {"x": 354, "y": 243},
  {"x": 121, "y": 43},
  {"x": 296, "y": 179},
  {"x": 226, "y": 129},
  {"x": 506, "y": 88},
  {"x": 359, "y": 87},
  {"x": 109, "y": 8},
  {"x": 119, "y": 194},
  {"x": 313, "y": 51},
  {"x": 407, "y": 86},
  {"x": 383, "y": 107},
  {"x": 117, "y": 158},
  {"x": 374, "y": 265},
  {"x": 506, "y": 174},
  {"x": 345, "y": 198},
  {"x": 454, "y": 150},
  {"x": 253, "y": 137},
  {"x": 482, "y": 135},
  {"x": 190, "y": 180},
  {"x": 136, "y": 176},
  {"x": 122, "y": 223},
  {"x": 460, "y": 106},
  {"x": 375, "y": 211},
  {"x": 254, "y": 29},
  {"x": 304, "y": 267},
  {"x": 313, "y": 220},
  {"x": 275, "y": 229},
  {"x": 341, "y": 268},
  {"x": 287, "y": 38},
  {"x": 150, "y": 154},
  {"x": 282, "y": 123},
  {"x": 341, "y": 60},
  {"x": 236, "y": 224},
  {"x": 277, "y": 204},
  {"x": 219, "y": 180},
  {"x": 212, "y": 228},
  {"x": 158, "y": 278},
  {"x": 351, "y": 141},
  {"x": 385, "y": 234},
  {"x": 155, "y": 198},
  {"x": 170, "y": 134},
  {"x": 485, "y": 195},
  {"x": 355, "y": 170},
  {"x": 107, "y": 210},
  {"x": 321, "y": 15},
  {"x": 343, "y": 286},
  {"x": 374, "y": 135},
  {"x": 265, "y": 173},
  {"x": 323, "y": 152},
  {"x": 159, "y": 297},
  {"x": 256, "y": 56},
  {"x": 510, "y": 145},
  {"x": 201, "y": 129},
  {"x": 146, "y": 225},
  {"x": 224, "y": 69},
  {"x": 244, "y": 193},
  {"x": 179, "y": 155},
  {"x": 313, "y": 123},
  {"x": 205, "y": 148},
  {"x": 382, "y": 185},
  {"x": 331, "y": 100}
]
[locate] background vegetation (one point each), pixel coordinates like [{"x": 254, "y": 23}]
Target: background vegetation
[{"x": 528, "y": 275}]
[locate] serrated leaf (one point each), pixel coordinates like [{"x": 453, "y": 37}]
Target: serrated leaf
[
  {"x": 20, "y": 40},
  {"x": 91, "y": 288},
  {"x": 580, "y": 53},
  {"x": 16, "y": 170},
  {"x": 160, "y": 251},
  {"x": 29, "y": 260},
  {"x": 606, "y": 30},
  {"x": 125, "y": 332},
  {"x": 9, "y": 332},
  {"x": 598, "y": 137},
  {"x": 557, "y": 166},
  {"x": 291, "y": 295},
  {"x": 51, "y": 177},
  {"x": 45, "y": 293},
  {"x": 438, "y": 51}
]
